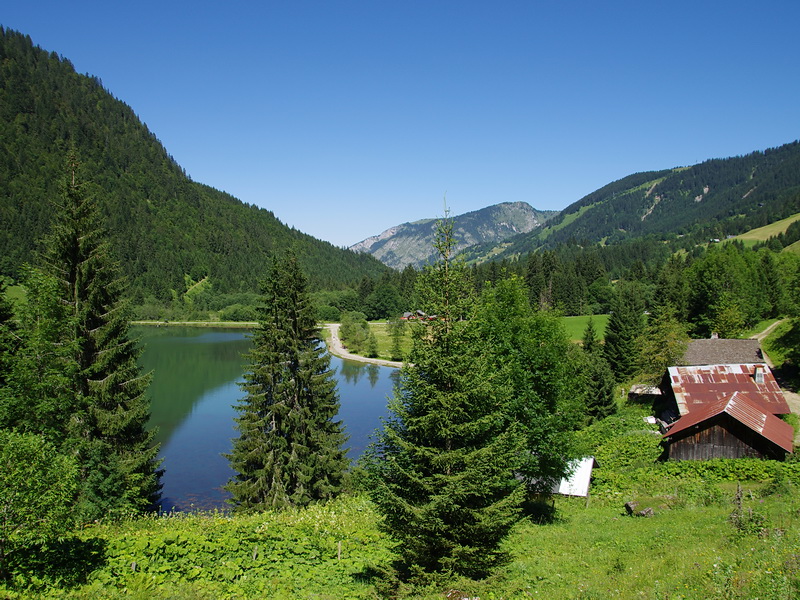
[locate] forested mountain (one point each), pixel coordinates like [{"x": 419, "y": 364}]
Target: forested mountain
[
  {"x": 166, "y": 230},
  {"x": 412, "y": 243},
  {"x": 712, "y": 200}
]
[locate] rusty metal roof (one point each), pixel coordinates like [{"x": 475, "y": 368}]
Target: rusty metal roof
[
  {"x": 699, "y": 386},
  {"x": 740, "y": 407}
]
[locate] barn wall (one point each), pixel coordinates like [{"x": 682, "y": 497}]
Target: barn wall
[{"x": 721, "y": 437}]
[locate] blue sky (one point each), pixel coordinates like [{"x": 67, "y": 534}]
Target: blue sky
[{"x": 347, "y": 117}]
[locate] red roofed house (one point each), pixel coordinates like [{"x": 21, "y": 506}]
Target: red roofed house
[{"x": 726, "y": 411}]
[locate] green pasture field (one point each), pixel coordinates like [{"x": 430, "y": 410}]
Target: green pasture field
[
  {"x": 575, "y": 326},
  {"x": 793, "y": 248},
  {"x": 762, "y": 234},
  {"x": 381, "y": 332}
]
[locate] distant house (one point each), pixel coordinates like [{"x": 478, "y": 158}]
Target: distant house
[
  {"x": 417, "y": 316},
  {"x": 722, "y": 403}
]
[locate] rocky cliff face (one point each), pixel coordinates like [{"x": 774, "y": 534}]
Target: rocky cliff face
[{"x": 412, "y": 243}]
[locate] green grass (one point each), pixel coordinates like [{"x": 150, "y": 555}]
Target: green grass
[
  {"x": 590, "y": 550},
  {"x": 781, "y": 341},
  {"x": 15, "y": 294},
  {"x": 381, "y": 332},
  {"x": 762, "y": 234},
  {"x": 793, "y": 248},
  {"x": 575, "y": 326}
]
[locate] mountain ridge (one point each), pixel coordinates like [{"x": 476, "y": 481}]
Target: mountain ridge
[
  {"x": 411, "y": 243},
  {"x": 714, "y": 199}
]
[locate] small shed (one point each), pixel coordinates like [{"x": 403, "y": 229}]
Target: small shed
[
  {"x": 736, "y": 427},
  {"x": 577, "y": 484}
]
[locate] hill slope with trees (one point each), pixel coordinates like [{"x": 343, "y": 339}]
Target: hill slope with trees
[
  {"x": 167, "y": 231},
  {"x": 712, "y": 200}
]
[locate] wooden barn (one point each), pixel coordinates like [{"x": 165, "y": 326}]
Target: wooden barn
[
  {"x": 733, "y": 428},
  {"x": 724, "y": 410}
]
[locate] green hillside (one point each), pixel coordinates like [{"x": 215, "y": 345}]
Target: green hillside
[
  {"x": 762, "y": 234},
  {"x": 163, "y": 225},
  {"x": 716, "y": 199}
]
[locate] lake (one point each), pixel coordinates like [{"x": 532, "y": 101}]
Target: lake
[{"x": 196, "y": 372}]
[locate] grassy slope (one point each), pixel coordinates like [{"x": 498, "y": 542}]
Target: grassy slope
[
  {"x": 794, "y": 248},
  {"x": 762, "y": 234}
]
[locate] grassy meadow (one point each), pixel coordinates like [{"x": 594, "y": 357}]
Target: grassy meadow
[
  {"x": 762, "y": 234},
  {"x": 696, "y": 546}
]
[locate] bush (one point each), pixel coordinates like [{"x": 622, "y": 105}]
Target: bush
[
  {"x": 328, "y": 314},
  {"x": 37, "y": 486},
  {"x": 238, "y": 312},
  {"x": 636, "y": 449}
]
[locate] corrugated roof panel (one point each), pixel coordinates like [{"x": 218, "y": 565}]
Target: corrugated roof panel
[
  {"x": 741, "y": 408},
  {"x": 698, "y": 386}
]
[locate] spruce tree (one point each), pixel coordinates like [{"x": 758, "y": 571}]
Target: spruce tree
[
  {"x": 289, "y": 450},
  {"x": 443, "y": 466},
  {"x": 590, "y": 343},
  {"x": 624, "y": 327},
  {"x": 106, "y": 428},
  {"x": 597, "y": 376}
]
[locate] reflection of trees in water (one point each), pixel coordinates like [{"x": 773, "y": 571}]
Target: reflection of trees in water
[
  {"x": 374, "y": 374},
  {"x": 353, "y": 371}
]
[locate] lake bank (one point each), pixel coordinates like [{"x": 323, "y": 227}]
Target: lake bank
[{"x": 335, "y": 346}]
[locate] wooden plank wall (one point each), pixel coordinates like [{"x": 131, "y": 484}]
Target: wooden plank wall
[{"x": 721, "y": 437}]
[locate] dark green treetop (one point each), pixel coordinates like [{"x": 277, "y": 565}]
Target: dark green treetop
[{"x": 624, "y": 327}]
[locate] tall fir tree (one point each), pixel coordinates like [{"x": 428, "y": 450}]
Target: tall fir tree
[
  {"x": 443, "y": 466},
  {"x": 289, "y": 450},
  {"x": 590, "y": 343},
  {"x": 597, "y": 376},
  {"x": 107, "y": 429},
  {"x": 624, "y": 327}
]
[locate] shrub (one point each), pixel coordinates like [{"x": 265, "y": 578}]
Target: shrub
[{"x": 238, "y": 312}]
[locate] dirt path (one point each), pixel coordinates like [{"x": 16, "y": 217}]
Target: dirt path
[
  {"x": 336, "y": 348},
  {"x": 792, "y": 399},
  {"x": 760, "y": 337}
]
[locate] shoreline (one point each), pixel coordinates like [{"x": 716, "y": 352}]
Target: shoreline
[{"x": 334, "y": 344}]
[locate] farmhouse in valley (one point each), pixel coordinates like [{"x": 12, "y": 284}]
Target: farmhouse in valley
[{"x": 723, "y": 402}]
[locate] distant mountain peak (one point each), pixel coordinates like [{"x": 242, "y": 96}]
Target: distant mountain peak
[{"x": 412, "y": 243}]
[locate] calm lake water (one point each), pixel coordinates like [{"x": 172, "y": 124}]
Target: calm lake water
[{"x": 194, "y": 390}]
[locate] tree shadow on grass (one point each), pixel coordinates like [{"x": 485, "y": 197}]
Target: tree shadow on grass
[
  {"x": 63, "y": 563},
  {"x": 540, "y": 509}
]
